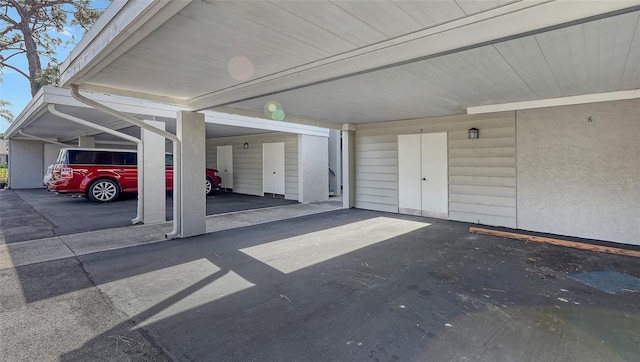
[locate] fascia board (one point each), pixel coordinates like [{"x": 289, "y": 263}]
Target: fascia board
[{"x": 555, "y": 102}]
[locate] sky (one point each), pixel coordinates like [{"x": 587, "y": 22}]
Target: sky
[{"x": 15, "y": 88}]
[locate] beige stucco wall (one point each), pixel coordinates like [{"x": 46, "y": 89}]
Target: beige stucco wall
[{"x": 578, "y": 170}]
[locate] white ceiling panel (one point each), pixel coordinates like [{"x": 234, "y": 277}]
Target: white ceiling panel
[
  {"x": 384, "y": 16},
  {"x": 275, "y": 18},
  {"x": 374, "y": 60},
  {"x": 333, "y": 19},
  {"x": 431, "y": 13},
  {"x": 476, "y": 6},
  {"x": 527, "y": 60},
  {"x": 596, "y": 57}
]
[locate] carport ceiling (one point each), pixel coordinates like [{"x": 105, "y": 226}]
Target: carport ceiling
[
  {"x": 36, "y": 120},
  {"x": 367, "y": 61}
]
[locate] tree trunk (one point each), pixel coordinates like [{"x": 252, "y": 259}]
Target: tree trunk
[{"x": 33, "y": 58}]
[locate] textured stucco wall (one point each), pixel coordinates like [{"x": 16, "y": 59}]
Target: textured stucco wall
[{"x": 578, "y": 170}]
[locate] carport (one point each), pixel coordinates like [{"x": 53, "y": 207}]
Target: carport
[
  {"x": 514, "y": 114},
  {"x": 37, "y": 135},
  {"x": 552, "y": 88}
]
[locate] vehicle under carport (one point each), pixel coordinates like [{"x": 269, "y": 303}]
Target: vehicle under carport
[{"x": 37, "y": 135}]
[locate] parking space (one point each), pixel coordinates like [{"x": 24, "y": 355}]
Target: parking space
[
  {"x": 36, "y": 213},
  {"x": 343, "y": 285}
]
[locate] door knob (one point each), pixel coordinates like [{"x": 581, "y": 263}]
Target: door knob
[{"x": 424, "y": 179}]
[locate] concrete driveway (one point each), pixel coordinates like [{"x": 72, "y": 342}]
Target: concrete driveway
[
  {"x": 35, "y": 214},
  {"x": 345, "y": 285}
]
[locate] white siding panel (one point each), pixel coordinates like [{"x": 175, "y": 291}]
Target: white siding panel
[
  {"x": 377, "y": 177},
  {"x": 376, "y": 206},
  {"x": 247, "y": 163},
  {"x": 482, "y": 181},
  {"x": 482, "y": 209},
  {"x": 483, "y": 219},
  {"x": 482, "y": 162},
  {"x": 483, "y": 200},
  {"x": 482, "y": 172},
  {"x": 483, "y": 190}
]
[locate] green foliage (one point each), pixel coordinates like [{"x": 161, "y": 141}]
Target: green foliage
[
  {"x": 5, "y": 113},
  {"x": 48, "y": 76},
  {"x": 33, "y": 29},
  {"x": 4, "y": 175}
]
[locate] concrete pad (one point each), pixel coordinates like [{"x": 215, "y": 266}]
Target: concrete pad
[
  {"x": 36, "y": 251},
  {"x": 110, "y": 239},
  {"x": 31, "y": 252}
]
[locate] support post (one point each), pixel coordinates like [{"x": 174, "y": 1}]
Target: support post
[
  {"x": 154, "y": 194},
  {"x": 190, "y": 129},
  {"x": 348, "y": 166}
]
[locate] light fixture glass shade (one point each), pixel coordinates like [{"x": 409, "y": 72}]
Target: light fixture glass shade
[{"x": 474, "y": 133}]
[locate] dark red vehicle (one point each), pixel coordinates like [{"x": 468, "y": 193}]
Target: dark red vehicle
[{"x": 102, "y": 174}]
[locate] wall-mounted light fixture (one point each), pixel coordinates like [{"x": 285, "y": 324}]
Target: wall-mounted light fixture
[
  {"x": 474, "y": 133},
  {"x": 245, "y": 146}
]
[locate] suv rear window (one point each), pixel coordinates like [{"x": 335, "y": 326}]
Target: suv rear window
[{"x": 83, "y": 157}]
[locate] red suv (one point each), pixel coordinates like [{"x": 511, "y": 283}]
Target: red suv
[{"x": 102, "y": 174}]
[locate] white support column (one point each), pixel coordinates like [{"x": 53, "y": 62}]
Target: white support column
[
  {"x": 190, "y": 129},
  {"x": 313, "y": 173},
  {"x": 154, "y": 189},
  {"x": 25, "y": 164},
  {"x": 86, "y": 141},
  {"x": 348, "y": 165},
  {"x": 335, "y": 156}
]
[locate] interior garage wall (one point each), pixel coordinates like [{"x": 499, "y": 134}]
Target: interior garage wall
[
  {"x": 26, "y": 164},
  {"x": 247, "y": 163},
  {"x": 482, "y": 172},
  {"x": 579, "y": 177}
]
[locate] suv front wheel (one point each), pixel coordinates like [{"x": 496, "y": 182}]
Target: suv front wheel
[
  {"x": 103, "y": 190},
  {"x": 208, "y": 186}
]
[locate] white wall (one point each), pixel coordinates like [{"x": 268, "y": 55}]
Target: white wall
[
  {"x": 577, "y": 177},
  {"x": 482, "y": 172},
  {"x": 335, "y": 162},
  {"x": 26, "y": 164},
  {"x": 247, "y": 163},
  {"x": 50, "y": 155},
  {"x": 313, "y": 163}
]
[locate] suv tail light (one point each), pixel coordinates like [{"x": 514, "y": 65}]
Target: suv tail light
[
  {"x": 216, "y": 173},
  {"x": 66, "y": 172}
]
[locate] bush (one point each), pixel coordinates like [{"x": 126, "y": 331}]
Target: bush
[{"x": 4, "y": 173}]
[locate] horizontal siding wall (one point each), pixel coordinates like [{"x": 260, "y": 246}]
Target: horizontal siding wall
[
  {"x": 482, "y": 172},
  {"x": 247, "y": 164}
]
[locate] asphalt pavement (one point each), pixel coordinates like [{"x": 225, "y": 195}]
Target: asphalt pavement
[{"x": 341, "y": 285}]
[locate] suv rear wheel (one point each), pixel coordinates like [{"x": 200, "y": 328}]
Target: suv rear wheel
[{"x": 103, "y": 190}]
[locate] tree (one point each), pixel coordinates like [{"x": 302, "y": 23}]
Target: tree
[
  {"x": 26, "y": 29},
  {"x": 5, "y": 113}
]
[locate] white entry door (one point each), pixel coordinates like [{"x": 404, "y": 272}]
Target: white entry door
[
  {"x": 273, "y": 168},
  {"x": 225, "y": 165},
  {"x": 423, "y": 175}
]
